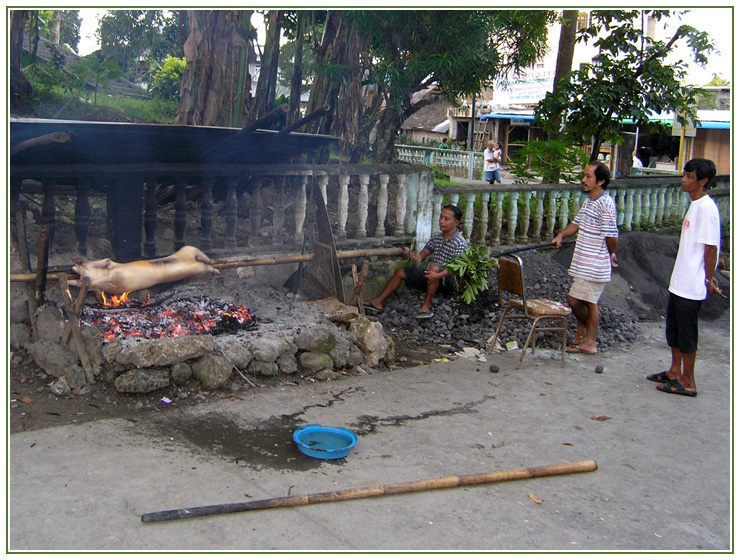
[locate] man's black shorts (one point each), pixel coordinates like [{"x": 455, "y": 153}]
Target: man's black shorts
[
  {"x": 416, "y": 279},
  {"x": 682, "y": 323}
]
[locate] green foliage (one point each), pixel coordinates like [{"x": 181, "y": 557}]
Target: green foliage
[
  {"x": 69, "y": 30},
  {"x": 471, "y": 270},
  {"x": 166, "y": 79},
  {"x": 627, "y": 79},
  {"x": 535, "y": 159}
]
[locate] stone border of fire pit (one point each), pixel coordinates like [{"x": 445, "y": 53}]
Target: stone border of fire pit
[{"x": 339, "y": 340}]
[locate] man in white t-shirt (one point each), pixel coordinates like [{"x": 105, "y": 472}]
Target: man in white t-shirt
[
  {"x": 492, "y": 157},
  {"x": 692, "y": 279}
]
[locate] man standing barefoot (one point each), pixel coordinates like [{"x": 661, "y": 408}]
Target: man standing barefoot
[{"x": 593, "y": 256}]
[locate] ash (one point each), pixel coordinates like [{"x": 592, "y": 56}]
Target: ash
[{"x": 457, "y": 325}]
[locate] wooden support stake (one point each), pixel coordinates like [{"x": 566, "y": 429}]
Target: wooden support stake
[
  {"x": 359, "y": 282},
  {"x": 75, "y": 327},
  {"x": 77, "y": 307},
  {"x": 371, "y": 491}
]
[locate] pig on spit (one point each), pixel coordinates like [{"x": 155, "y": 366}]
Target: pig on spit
[{"x": 115, "y": 278}]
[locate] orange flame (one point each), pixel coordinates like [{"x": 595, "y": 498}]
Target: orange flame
[{"x": 115, "y": 301}]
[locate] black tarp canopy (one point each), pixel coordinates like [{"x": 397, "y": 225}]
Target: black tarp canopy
[{"x": 65, "y": 142}]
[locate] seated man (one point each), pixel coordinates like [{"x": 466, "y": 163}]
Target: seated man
[{"x": 445, "y": 245}]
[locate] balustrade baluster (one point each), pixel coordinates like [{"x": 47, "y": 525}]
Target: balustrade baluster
[
  {"x": 684, "y": 202},
  {"x": 468, "y": 215},
  {"x": 230, "y": 212},
  {"x": 436, "y": 210},
  {"x": 323, "y": 182},
  {"x": 629, "y": 205},
  {"x": 278, "y": 217},
  {"x": 150, "y": 218},
  {"x": 382, "y": 204},
  {"x": 637, "y": 220},
  {"x": 538, "y": 217},
  {"x": 454, "y": 198},
  {"x": 206, "y": 214},
  {"x": 255, "y": 212},
  {"x": 651, "y": 198},
  {"x": 565, "y": 208},
  {"x": 82, "y": 215},
  {"x": 524, "y": 220},
  {"x": 498, "y": 219},
  {"x": 485, "y": 198},
  {"x": 660, "y": 206},
  {"x": 48, "y": 219},
  {"x": 401, "y": 200},
  {"x": 300, "y": 209},
  {"x": 552, "y": 212},
  {"x": 620, "y": 206},
  {"x": 513, "y": 215},
  {"x": 362, "y": 203},
  {"x": 412, "y": 208},
  {"x": 575, "y": 205},
  {"x": 343, "y": 206}
]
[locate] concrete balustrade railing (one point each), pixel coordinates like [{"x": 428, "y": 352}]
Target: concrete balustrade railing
[{"x": 270, "y": 207}]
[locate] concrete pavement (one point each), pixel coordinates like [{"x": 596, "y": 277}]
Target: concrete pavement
[{"x": 663, "y": 482}]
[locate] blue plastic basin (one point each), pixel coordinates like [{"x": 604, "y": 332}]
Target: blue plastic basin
[{"x": 324, "y": 442}]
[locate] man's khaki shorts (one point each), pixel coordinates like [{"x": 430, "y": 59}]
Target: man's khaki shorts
[{"x": 585, "y": 290}]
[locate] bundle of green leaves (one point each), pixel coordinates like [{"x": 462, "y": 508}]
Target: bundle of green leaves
[{"x": 470, "y": 271}]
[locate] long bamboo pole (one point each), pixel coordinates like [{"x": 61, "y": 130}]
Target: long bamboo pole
[
  {"x": 371, "y": 491},
  {"x": 351, "y": 254}
]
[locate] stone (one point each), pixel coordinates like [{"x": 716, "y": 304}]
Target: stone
[
  {"x": 58, "y": 361},
  {"x": 212, "y": 371},
  {"x": 60, "y": 388},
  {"x": 142, "y": 381},
  {"x": 287, "y": 363},
  {"x": 166, "y": 351},
  {"x": 19, "y": 336},
  {"x": 317, "y": 338},
  {"x": 264, "y": 369},
  {"x": 17, "y": 305},
  {"x": 49, "y": 324},
  {"x": 236, "y": 352},
  {"x": 341, "y": 353},
  {"x": 316, "y": 361},
  {"x": 268, "y": 348},
  {"x": 180, "y": 373},
  {"x": 371, "y": 336},
  {"x": 93, "y": 343}
]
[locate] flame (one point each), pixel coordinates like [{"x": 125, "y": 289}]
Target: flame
[{"x": 115, "y": 301}]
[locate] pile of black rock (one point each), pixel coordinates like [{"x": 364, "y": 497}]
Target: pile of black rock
[{"x": 458, "y": 325}]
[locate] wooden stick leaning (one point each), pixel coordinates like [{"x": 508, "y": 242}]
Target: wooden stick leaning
[{"x": 371, "y": 491}]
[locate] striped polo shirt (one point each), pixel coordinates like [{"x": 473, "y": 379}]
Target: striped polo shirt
[
  {"x": 445, "y": 251},
  {"x": 596, "y": 220}
]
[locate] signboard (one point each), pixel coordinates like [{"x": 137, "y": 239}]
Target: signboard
[
  {"x": 528, "y": 87},
  {"x": 688, "y": 130}
]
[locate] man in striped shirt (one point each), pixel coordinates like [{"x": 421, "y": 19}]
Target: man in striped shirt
[{"x": 593, "y": 256}]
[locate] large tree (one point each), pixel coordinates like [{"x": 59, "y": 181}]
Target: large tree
[
  {"x": 628, "y": 78},
  {"x": 212, "y": 61},
  {"x": 457, "y": 52}
]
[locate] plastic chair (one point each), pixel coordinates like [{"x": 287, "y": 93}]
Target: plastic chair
[{"x": 511, "y": 281}]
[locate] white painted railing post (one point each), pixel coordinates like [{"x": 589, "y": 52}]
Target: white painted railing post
[
  {"x": 538, "y": 216},
  {"x": 382, "y": 204},
  {"x": 469, "y": 215},
  {"x": 629, "y": 207},
  {"x": 362, "y": 203},
  {"x": 513, "y": 214},
  {"x": 401, "y": 200},
  {"x": 300, "y": 209},
  {"x": 524, "y": 221},
  {"x": 343, "y": 204},
  {"x": 498, "y": 219},
  {"x": 323, "y": 182},
  {"x": 485, "y": 198}
]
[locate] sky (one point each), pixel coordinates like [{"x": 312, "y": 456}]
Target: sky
[{"x": 716, "y": 21}]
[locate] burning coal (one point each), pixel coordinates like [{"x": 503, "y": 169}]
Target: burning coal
[{"x": 175, "y": 318}]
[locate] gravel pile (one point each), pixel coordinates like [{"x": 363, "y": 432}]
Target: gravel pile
[{"x": 460, "y": 325}]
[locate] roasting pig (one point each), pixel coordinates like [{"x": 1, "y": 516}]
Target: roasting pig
[{"x": 116, "y": 278}]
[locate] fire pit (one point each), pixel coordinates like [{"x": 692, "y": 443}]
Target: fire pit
[{"x": 184, "y": 316}]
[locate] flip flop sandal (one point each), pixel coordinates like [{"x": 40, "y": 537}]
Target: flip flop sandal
[
  {"x": 576, "y": 349},
  {"x": 421, "y": 315},
  {"x": 679, "y": 389},
  {"x": 661, "y": 377},
  {"x": 370, "y": 309}
]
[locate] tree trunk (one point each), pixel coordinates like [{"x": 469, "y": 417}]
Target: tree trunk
[
  {"x": 563, "y": 66},
  {"x": 20, "y": 88},
  {"x": 384, "y": 150},
  {"x": 211, "y": 67},
  {"x": 296, "y": 80},
  {"x": 56, "y": 26},
  {"x": 264, "y": 98}
]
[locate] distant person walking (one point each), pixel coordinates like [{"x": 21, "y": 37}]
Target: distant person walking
[
  {"x": 593, "y": 256},
  {"x": 692, "y": 279},
  {"x": 492, "y": 157}
]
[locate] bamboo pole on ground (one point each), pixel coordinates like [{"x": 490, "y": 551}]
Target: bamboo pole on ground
[{"x": 371, "y": 491}]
